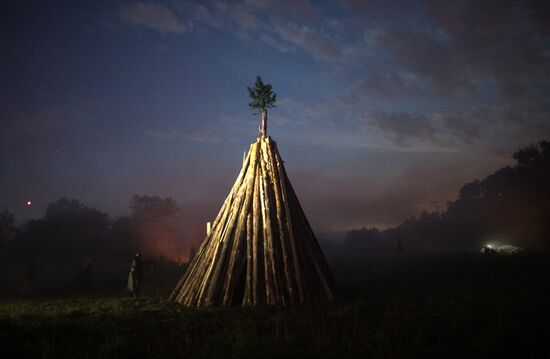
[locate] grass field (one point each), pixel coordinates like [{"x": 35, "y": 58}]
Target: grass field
[{"x": 466, "y": 305}]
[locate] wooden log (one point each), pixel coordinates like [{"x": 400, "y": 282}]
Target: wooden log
[
  {"x": 247, "y": 298},
  {"x": 231, "y": 272},
  {"x": 226, "y": 237},
  {"x": 269, "y": 227},
  {"x": 194, "y": 263},
  {"x": 318, "y": 259},
  {"x": 261, "y": 248},
  {"x": 301, "y": 259},
  {"x": 196, "y": 280},
  {"x": 194, "y": 270},
  {"x": 192, "y": 280},
  {"x": 178, "y": 291},
  {"x": 195, "y": 266},
  {"x": 234, "y": 259},
  {"x": 210, "y": 281},
  {"x": 233, "y": 191},
  {"x": 289, "y": 286},
  {"x": 290, "y": 228},
  {"x": 256, "y": 236},
  {"x": 266, "y": 257}
]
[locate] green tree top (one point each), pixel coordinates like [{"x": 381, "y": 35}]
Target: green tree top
[{"x": 262, "y": 95}]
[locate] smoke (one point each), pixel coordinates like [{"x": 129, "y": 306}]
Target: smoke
[{"x": 172, "y": 242}]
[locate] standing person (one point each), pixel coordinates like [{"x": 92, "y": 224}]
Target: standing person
[{"x": 135, "y": 278}]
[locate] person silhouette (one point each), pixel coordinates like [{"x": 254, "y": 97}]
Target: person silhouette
[{"x": 135, "y": 277}]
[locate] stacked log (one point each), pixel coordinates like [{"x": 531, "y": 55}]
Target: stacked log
[{"x": 260, "y": 248}]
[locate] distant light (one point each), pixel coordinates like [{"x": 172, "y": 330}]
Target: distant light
[
  {"x": 29, "y": 203},
  {"x": 499, "y": 247}
]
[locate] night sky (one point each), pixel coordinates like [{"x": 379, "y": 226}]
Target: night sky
[{"x": 384, "y": 108}]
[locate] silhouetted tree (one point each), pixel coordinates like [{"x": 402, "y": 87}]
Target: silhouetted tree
[
  {"x": 7, "y": 226},
  {"x": 367, "y": 240},
  {"x": 154, "y": 220},
  {"x": 511, "y": 205},
  {"x": 69, "y": 230},
  {"x": 152, "y": 208}
]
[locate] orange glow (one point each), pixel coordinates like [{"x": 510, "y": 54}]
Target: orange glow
[
  {"x": 174, "y": 244},
  {"x": 157, "y": 241}
]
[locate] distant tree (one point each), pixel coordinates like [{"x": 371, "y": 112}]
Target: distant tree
[
  {"x": 7, "y": 226},
  {"x": 511, "y": 205},
  {"x": 470, "y": 191},
  {"x": 69, "y": 230},
  {"x": 533, "y": 155},
  {"x": 368, "y": 240},
  {"x": 263, "y": 98},
  {"x": 155, "y": 226},
  {"x": 152, "y": 208},
  {"x": 68, "y": 207}
]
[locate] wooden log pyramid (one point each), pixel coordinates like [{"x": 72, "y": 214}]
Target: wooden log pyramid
[{"x": 260, "y": 249}]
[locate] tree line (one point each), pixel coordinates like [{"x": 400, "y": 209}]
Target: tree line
[
  {"x": 70, "y": 231},
  {"x": 510, "y": 206}
]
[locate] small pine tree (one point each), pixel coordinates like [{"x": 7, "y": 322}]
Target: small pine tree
[{"x": 263, "y": 97}]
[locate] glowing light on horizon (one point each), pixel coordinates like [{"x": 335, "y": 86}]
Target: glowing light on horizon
[{"x": 500, "y": 247}]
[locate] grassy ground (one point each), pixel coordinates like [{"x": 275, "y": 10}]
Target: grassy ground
[{"x": 438, "y": 306}]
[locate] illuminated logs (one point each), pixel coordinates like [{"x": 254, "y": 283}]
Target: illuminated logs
[{"x": 260, "y": 248}]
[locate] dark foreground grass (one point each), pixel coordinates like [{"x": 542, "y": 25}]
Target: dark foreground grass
[{"x": 442, "y": 306}]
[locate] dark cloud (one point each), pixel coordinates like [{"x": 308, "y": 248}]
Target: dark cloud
[
  {"x": 196, "y": 135},
  {"x": 424, "y": 56},
  {"x": 276, "y": 44},
  {"x": 318, "y": 43},
  {"x": 152, "y": 15},
  {"x": 453, "y": 49},
  {"x": 377, "y": 6},
  {"x": 498, "y": 126},
  {"x": 500, "y": 39},
  {"x": 394, "y": 85},
  {"x": 282, "y": 25},
  {"x": 396, "y": 48},
  {"x": 242, "y": 17},
  {"x": 230, "y": 13},
  {"x": 303, "y": 110},
  {"x": 463, "y": 124},
  {"x": 404, "y": 128},
  {"x": 297, "y": 10}
]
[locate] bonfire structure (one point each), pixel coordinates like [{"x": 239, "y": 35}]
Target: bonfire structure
[{"x": 260, "y": 249}]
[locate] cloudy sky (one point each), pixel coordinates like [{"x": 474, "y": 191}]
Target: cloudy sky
[{"x": 385, "y": 108}]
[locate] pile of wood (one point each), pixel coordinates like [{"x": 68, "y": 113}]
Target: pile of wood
[{"x": 261, "y": 248}]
